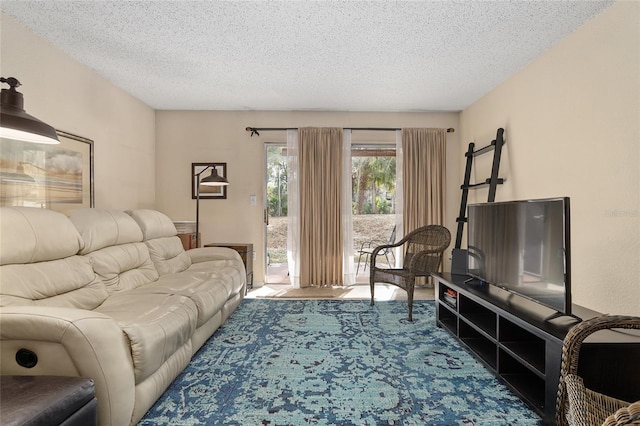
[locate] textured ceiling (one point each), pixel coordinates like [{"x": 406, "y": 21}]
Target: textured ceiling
[{"x": 300, "y": 55}]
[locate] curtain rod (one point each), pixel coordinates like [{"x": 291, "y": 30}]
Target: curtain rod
[{"x": 255, "y": 130}]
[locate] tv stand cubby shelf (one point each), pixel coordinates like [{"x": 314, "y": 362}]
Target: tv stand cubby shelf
[{"x": 521, "y": 342}]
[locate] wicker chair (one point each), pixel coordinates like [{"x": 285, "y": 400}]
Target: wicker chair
[
  {"x": 578, "y": 405},
  {"x": 423, "y": 255}
]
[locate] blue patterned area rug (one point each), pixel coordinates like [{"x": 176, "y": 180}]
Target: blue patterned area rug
[{"x": 331, "y": 362}]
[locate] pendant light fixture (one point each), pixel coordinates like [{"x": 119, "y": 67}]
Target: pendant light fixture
[{"x": 15, "y": 123}]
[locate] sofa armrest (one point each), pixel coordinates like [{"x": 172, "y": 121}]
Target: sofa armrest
[
  {"x": 205, "y": 254},
  {"x": 72, "y": 342}
]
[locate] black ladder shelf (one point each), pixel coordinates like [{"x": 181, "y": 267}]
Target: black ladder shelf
[{"x": 492, "y": 182}]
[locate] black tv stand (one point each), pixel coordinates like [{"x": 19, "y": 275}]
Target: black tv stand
[{"x": 520, "y": 342}]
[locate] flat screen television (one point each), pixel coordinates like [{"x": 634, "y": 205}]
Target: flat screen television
[{"x": 523, "y": 247}]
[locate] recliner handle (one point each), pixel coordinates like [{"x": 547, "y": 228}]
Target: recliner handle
[{"x": 26, "y": 358}]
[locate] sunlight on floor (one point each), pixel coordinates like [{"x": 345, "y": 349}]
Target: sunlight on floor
[{"x": 354, "y": 292}]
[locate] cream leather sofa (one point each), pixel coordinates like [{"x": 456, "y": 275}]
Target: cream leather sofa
[{"x": 109, "y": 295}]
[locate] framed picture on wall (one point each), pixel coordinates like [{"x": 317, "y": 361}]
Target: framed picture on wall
[
  {"x": 208, "y": 192},
  {"x": 57, "y": 177}
]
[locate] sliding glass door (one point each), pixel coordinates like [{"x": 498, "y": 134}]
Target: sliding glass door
[
  {"x": 275, "y": 214},
  {"x": 374, "y": 203},
  {"x": 373, "y": 169}
]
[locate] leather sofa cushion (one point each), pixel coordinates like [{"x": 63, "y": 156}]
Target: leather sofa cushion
[
  {"x": 204, "y": 254},
  {"x": 230, "y": 273},
  {"x": 69, "y": 282},
  {"x": 159, "y": 234},
  {"x": 168, "y": 255},
  {"x": 113, "y": 243},
  {"x": 104, "y": 228},
  {"x": 208, "y": 295},
  {"x": 36, "y": 235},
  {"x": 153, "y": 223},
  {"x": 123, "y": 267},
  {"x": 156, "y": 325}
]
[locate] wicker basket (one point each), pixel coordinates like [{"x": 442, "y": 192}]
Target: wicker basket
[
  {"x": 577, "y": 405},
  {"x": 625, "y": 416}
]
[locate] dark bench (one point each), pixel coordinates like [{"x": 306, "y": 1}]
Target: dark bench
[{"x": 47, "y": 400}]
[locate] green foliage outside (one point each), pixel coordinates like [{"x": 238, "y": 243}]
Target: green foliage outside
[
  {"x": 373, "y": 183},
  {"x": 276, "y": 182},
  {"x": 373, "y": 195}
]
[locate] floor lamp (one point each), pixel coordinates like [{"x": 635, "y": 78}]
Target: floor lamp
[{"x": 212, "y": 180}]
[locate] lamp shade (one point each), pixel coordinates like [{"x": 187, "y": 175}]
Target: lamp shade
[
  {"x": 214, "y": 179},
  {"x": 16, "y": 124}
]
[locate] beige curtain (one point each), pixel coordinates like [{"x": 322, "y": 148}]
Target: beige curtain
[
  {"x": 423, "y": 176},
  {"x": 321, "y": 233}
]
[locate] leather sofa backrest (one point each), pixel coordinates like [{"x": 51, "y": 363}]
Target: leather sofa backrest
[
  {"x": 160, "y": 236},
  {"x": 153, "y": 223},
  {"x": 40, "y": 265},
  {"x": 103, "y": 228},
  {"x": 113, "y": 243},
  {"x": 30, "y": 234}
]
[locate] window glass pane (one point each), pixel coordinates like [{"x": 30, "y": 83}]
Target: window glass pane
[{"x": 374, "y": 184}]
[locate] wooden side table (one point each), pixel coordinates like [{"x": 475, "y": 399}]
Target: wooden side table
[
  {"x": 188, "y": 240},
  {"x": 187, "y": 233},
  {"x": 246, "y": 253}
]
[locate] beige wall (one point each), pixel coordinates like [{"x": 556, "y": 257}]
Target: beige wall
[
  {"x": 71, "y": 97},
  {"x": 185, "y": 137},
  {"x": 572, "y": 126}
]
